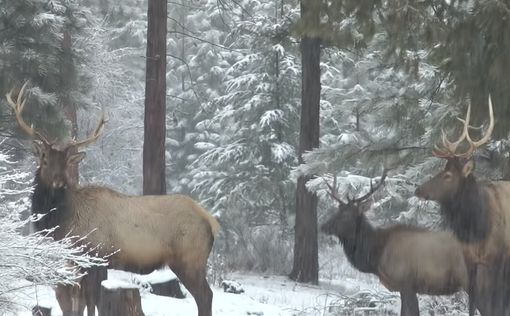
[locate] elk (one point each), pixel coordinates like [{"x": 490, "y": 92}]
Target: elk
[
  {"x": 405, "y": 258},
  {"x": 136, "y": 233},
  {"x": 478, "y": 212},
  {"x": 73, "y": 299}
]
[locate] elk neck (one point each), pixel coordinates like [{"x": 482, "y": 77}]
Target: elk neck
[
  {"x": 466, "y": 211},
  {"x": 362, "y": 245},
  {"x": 51, "y": 202}
]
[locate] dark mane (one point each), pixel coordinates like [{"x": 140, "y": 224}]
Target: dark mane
[
  {"x": 466, "y": 211},
  {"x": 363, "y": 248},
  {"x": 53, "y": 203}
]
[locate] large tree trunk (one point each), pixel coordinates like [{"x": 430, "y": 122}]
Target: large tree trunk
[
  {"x": 155, "y": 96},
  {"x": 306, "y": 264}
]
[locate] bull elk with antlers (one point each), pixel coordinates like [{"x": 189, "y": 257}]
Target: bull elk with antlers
[
  {"x": 143, "y": 232},
  {"x": 407, "y": 259},
  {"x": 479, "y": 214}
]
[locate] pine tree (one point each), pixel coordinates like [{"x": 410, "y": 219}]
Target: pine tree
[
  {"x": 249, "y": 144},
  {"x": 466, "y": 40},
  {"x": 370, "y": 110},
  {"x": 196, "y": 67},
  {"x": 31, "y": 41}
]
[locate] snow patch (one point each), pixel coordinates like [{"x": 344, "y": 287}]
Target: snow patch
[{"x": 118, "y": 284}]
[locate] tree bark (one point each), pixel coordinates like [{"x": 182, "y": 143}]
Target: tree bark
[
  {"x": 154, "y": 181},
  {"x": 120, "y": 302},
  {"x": 306, "y": 266}
]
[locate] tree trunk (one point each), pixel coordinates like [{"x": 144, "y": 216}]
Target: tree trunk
[
  {"x": 120, "y": 302},
  {"x": 306, "y": 264},
  {"x": 155, "y": 100}
]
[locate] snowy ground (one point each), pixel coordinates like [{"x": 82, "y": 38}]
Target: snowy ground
[
  {"x": 342, "y": 291},
  {"x": 264, "y": 295}
]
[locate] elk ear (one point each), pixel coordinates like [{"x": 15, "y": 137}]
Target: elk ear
[
  {"x": 468, "y": 168},
  {"x": 75, "y": 158},
  {"x": 364, "y": 206},
  {"x": 38, "y": 148}
]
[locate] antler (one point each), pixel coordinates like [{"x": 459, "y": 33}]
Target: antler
[
  {"x": 449, "y": 149},
  {"x": 332, "y": 190},
  {"x": 97, "y": 132},
  {"x": 487, "y": 135},
  {"x": 372, "y": 188},
  {"x": 18, "y": 107}
]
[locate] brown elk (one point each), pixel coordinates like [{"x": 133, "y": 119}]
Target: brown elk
[
  {"x": 138, "y": 233},
  {"x": 406, "y": 258},
  {"x": 479, "y": 215}
]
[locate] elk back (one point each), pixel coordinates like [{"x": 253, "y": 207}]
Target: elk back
[
  {"x": 421, "y": 261},
  {"x": 150, "y": 231}
]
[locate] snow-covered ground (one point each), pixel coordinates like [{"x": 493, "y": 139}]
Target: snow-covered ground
[
  {"x": 263, "y": 295},
  {"x": 342, "y": 291}
]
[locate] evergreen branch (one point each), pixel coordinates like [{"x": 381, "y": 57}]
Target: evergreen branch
[
  {"x": 191, "y": 80},
  {"x": 240, "y": 6},
  {"x": 203, "y": 40},
  {"x": 436, "y": 13},
  {"x": 186, "y": 5},
  {"x": 177, "y": 97},
  {"x": 396, "y": 149},
  {"x": 181, "y": 25},
  {"x": 221, "y": 15}
]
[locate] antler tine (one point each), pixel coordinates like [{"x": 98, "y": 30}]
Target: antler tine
[
  {"x": 95, "y": 135},
  {"x": 372, "y": 188},
  {"x": 332, "y": 190},
  {"x": 474, "y": 145},
  {"x": 440, "y": 152},
  {"x": 452, "y": 146},
  {"x": 18, "y": 107}
]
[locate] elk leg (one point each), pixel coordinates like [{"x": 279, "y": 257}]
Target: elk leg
[
  {"x": 409, "y": 303},
  {"x": 500, "y": 290},
  {"x": 471, "y": 290},
  {"x": 196, "y": 283},
  {"x": 63, "y": 295}
]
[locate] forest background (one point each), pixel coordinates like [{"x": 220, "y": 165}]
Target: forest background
[{"x": 392, "y": 74}]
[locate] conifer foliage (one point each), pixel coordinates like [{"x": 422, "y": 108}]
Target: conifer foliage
[{"x": 32, "y": 36}]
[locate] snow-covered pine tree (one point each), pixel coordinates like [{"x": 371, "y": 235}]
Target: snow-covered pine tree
[
  {"x": 369, "y": 121},
  {"x": 40, "y": 41},
  {"x": 115, "y": 50},
  {"x": 251, "y": 137},
  {"x": 196, "y": 66}
]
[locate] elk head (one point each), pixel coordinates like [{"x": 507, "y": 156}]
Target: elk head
[
  {"x": 459, "y": 166},
  {"x": 55, "y": 160},
  {"x": 344, "y": 221}
]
